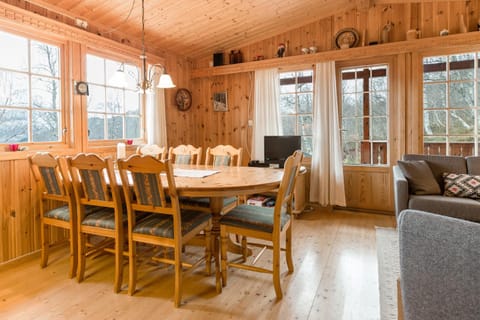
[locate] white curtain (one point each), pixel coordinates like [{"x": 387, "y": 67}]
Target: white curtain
[
  {"x": 156, "y": 118},
  {"x": 266, "y": 109},
  {"x": 326, "y": 181}
]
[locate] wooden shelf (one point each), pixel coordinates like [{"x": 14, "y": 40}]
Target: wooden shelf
[{"x": 418, "y": 45}]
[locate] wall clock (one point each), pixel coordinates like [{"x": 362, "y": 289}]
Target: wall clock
[
  {"x": 81, "y": 88},
  {"x": 183, "y": 99}
]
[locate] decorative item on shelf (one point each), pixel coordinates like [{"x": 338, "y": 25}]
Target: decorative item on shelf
[
  {"x": 478, "y": 25},
  {"x": 220, "y": 101},
  {"x": 386, "y": 31},
  {"x": 347, "y": 38},
  {"x": 281, "y": 50},
  {"x": 183, "y": 99},
  {"x": 313, "y": 49},
  {"x": 413, "y": 34},
  {"x": 305, "y": 50},
  {"x": 13, "y": 147},
  {"x": 258, "y": 58},
  {"x": 444, "y": 32},
  {"x": 146, "y": 80},
  {"x": 235, "y": 56},
  {"x": 218, "y": 59},
  {"x": 129, "y": 142}
]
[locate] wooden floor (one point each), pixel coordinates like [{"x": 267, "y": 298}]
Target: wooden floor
[{"x": 335, "y": 278}]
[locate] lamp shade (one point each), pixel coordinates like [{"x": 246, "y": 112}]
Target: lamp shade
[{"x": 165, "y": 81}]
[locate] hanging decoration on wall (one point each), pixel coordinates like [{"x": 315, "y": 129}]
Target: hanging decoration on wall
[
  {"x": 183, "y": 99},
  {"x": 220, "y": 101}
]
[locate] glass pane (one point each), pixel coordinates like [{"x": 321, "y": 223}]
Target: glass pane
[
  {"x": 45, "y": 126},
  {"x": 349, "y": 86},
  {"x": 378, "y": 84},
  {"x": 378, "y": 103},
  {"x": 14, "y": 89},
  {"x": 287, "y": 88},
  {"x": 351, "y": 153},
  {"x": 13, "y": 56},
  {"x": 95, "y": 69},
  {"x": 305, "y": 103},
  {"x": 434, "y": 95},
  {"x": 115, "y": 127},
  {"x": 132, "y": 127},
  {"x": 434, "y": 69},
  {"x": 289, "y": 124},
  {"x": 461, "y": 66},
  {"x": 115, "y": 100},
  {"x": 96, "y": 99},
  {"x": 305, "y": 125},
  {"x": 434, "y": 122},
  {"x": 14, "y": 126},
  {"x": 132, "y": 103},
  {"x": 461, "y": 122},
  {"x": 133, "y": 74},
  {"x": 461, "y": 94},
  {"x": 307, "y": 146},
  {"x": 305, "y": 87},
  {"x": 96, "y": 126},
  {"x": 379, "y": 128},
  {"x": 287, "y": 104},
  {"x": 352, "y": 129},
  {"x": 45, "y": 93},
  {"x": 45, "y": 59}
]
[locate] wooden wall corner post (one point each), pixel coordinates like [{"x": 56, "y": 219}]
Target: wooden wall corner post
[{"x": 399, "y": 301}]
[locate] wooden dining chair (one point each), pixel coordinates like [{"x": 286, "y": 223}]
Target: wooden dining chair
[
  {"x": 95, "y": 185},
  {"x": 219, "y": 156},
  {"x": 185, "y": 154},
  {"x": 153, "y": 150},
  {"x": 57, "y": 203},
  {"x": 266, "y": 224},
  {"x": 149, "y": 187}
]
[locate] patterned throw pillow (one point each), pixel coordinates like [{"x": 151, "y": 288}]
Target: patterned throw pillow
[{"x": 461, "y": 185}]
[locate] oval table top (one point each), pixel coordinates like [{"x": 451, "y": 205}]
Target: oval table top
[{"x": 228, "y": 181}]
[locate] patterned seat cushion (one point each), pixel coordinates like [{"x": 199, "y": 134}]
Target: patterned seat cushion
[
  {"x": 102, "y": 218},
  {"x": 63, "y": 212},
  {"x": 205, "y": 202},
  {"x": 253, "y": 217},
  {"x": 161, "y": 225},
  {"x": 60, "y": 213}
]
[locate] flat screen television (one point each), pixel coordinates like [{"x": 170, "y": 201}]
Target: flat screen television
[{"x": 278, "y": 148}]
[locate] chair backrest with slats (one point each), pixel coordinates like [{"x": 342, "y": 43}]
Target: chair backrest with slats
[
  {"x": 49, "y": 176},
  {"x": 185, "y": 154},
  {"x": 224, "y": 155},
  {"x": 153, "y": 186},
  {"x": 287, "y": 185},
  {"x": 153, "y": 150},
  {"x": 94, "y": 181}
]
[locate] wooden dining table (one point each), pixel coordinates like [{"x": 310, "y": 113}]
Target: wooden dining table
[{"x": 225, "y": 182}]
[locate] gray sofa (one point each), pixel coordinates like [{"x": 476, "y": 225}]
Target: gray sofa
[
  {"x": 439, "y": 267},
  {"x": 436, "y": 202}
]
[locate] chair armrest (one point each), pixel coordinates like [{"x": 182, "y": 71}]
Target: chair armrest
[
  {"x": 400, "y": 190},
  {"x": 439, "y": 261}
]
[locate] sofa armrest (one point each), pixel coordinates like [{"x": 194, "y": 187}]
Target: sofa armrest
[
  {"x": 439, "y": 261},
  {"x": 400, "y": 190}
]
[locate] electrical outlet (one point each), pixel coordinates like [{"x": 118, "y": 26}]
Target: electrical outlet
[{"x": 250, "y": 122}]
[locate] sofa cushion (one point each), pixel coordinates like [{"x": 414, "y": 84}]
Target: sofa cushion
[
  {"x": 462, "y": 208},
  {"x": 440, "y": 164},
  {"x": 420, "y": 177},
  {"x": 473, "y": 165},
  {"x": 461, "y": 185}
]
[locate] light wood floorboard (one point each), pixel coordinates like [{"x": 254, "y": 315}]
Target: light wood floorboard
[{"x": 335, "y": 278}]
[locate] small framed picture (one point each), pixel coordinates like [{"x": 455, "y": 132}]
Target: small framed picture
[{"x": 220, "y": 101}]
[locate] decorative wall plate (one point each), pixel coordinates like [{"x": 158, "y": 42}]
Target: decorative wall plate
[
  {"x": 347, "y": 38},
  {"x": 183, "y": 99}
]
